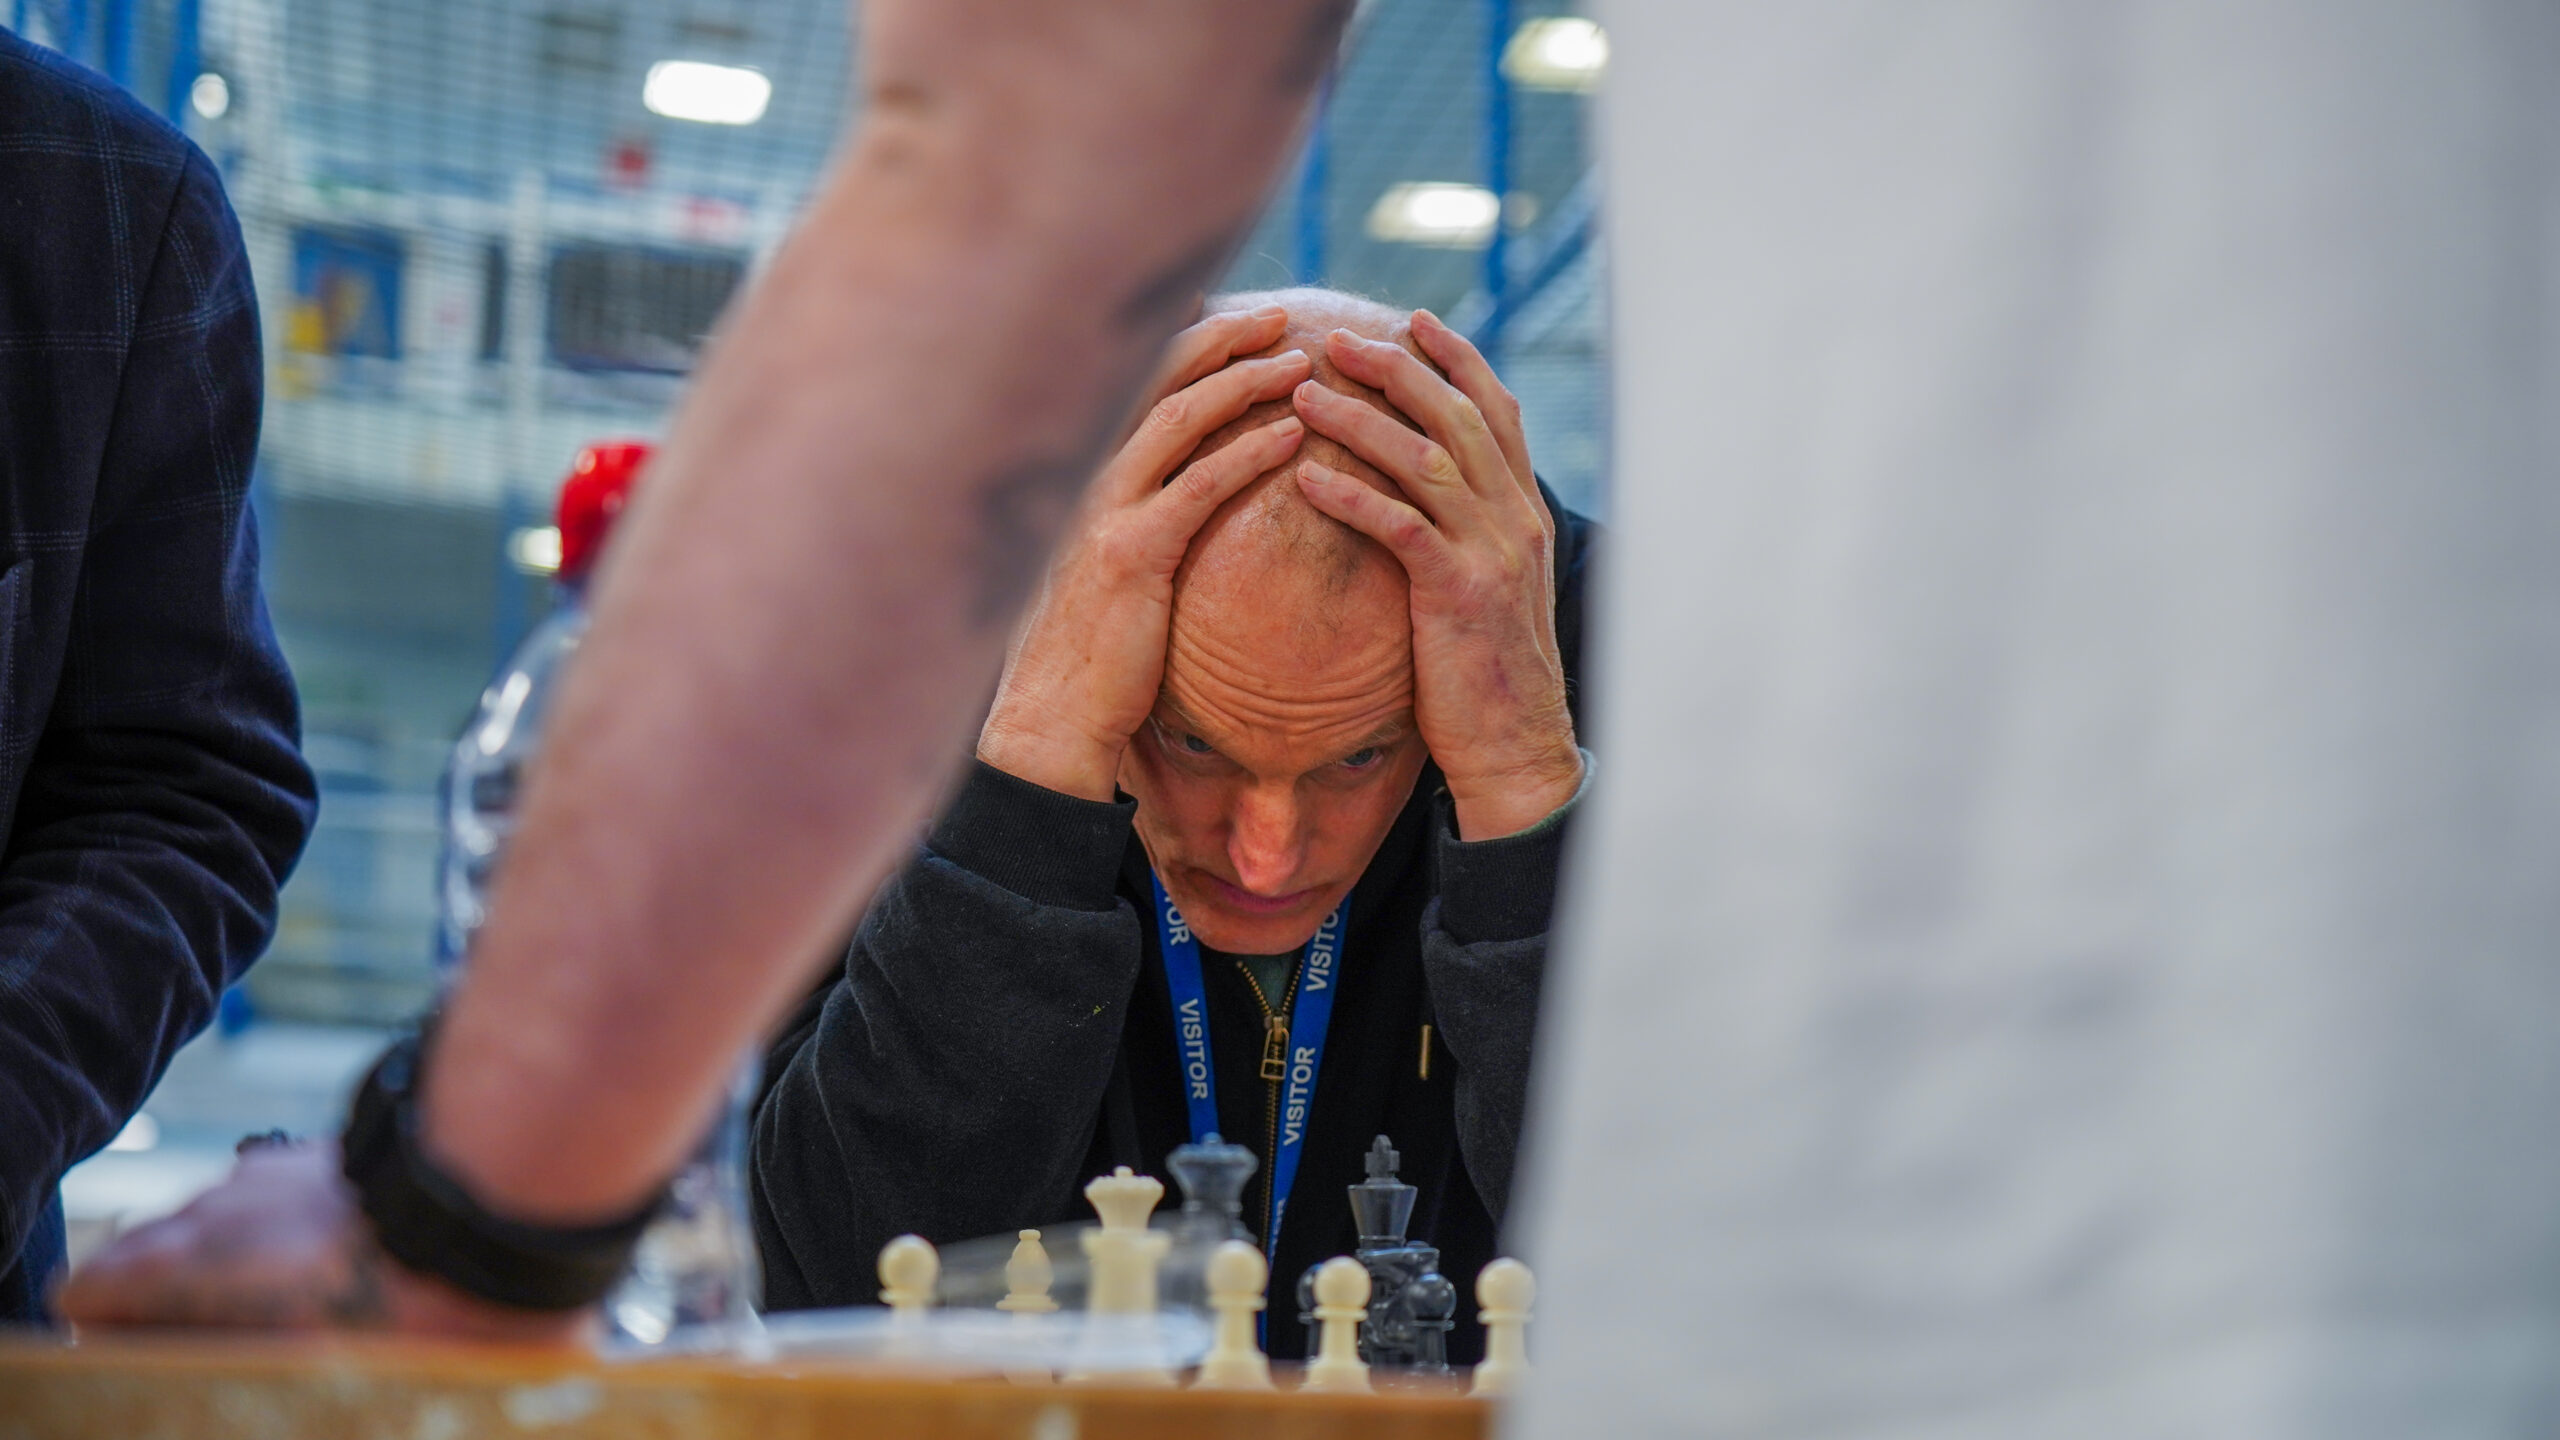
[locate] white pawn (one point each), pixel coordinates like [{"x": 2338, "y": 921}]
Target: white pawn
[
  {"x": 1505, "y": 1289},
  {"x": 1237, "y": 1273},
  {"x": 908, "y": 1267},
  {"x": 1342, "y": 1302}
]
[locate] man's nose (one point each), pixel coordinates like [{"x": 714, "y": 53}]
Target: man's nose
[{"x": 1265, "y": 844}]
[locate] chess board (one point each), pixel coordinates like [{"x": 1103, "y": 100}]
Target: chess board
[{"x": 277, "y": 1389}]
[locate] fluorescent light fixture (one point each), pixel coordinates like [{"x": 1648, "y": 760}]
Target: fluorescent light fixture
[
  {"x": 712, "y": 94},
  {"x": 210, "y": 95},
  {"x": 1436, "y": 212},
  {"x": 1557, "y": 52},
  {"x": 535, "y": 549},
  {"x": 139, "y": 1134}
]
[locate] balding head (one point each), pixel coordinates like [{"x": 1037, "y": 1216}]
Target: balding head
[{"x": 1269, "y": 531}]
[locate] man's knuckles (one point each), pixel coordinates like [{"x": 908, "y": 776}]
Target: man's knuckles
[
  {"x": 1173, "y": 415},
  {"x": 1203, "y": 483},
  {"x": 1437, "y": 467},
  {"x": 1126, "y": 549}
]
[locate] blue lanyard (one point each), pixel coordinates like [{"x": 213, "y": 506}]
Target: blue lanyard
[{"x": 1317, "y": 976}]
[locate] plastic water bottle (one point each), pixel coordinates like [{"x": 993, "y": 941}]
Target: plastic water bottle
[{"x": 694, "y": 1279}]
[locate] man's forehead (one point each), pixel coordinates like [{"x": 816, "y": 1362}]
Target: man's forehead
[{"x": 1384, "y": 723}]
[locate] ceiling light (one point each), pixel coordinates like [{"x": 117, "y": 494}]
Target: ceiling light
[
  {"x": 712, "y": 94},
  {"x": 1558, "y": 52},
  {"x": 1436, "y": 212},
  {"x": 535, "y": 549},
  {"x": 210, "y": 95}
]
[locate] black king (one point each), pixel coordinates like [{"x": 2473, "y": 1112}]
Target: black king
[{"x": 1410, "y": 1304}]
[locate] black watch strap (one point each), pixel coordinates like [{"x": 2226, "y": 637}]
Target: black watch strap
[{"x": 427, "y": 1221}]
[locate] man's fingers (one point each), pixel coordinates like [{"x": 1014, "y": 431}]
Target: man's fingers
[
  {"x": 1181, "y": 420},
  {"x": 1442, "y": 410},
  {"x": 1468, "y": 370},
  {"x": 1204, "y": 347},
  {"x": 1206, "y": 483},
  {"x": 1418, "y": 463},
  {"x": 1407, "y": 533}
]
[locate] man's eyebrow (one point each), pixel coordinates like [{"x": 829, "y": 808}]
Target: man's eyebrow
[
  {"x": 1395, "y": 727},
  {"x": 1171, "y": 710}
]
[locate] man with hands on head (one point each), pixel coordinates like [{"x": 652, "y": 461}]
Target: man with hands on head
[{"x": 1285, "y": 749}]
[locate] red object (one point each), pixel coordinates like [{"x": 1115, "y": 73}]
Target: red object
[
  {"x": 628, "y": 163},
  {"x": 598, "y": 486}
]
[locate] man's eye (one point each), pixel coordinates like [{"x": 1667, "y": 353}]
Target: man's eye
[
  {"x": 1361, "y": 759},
  {"x": 1194, "y": 745}
]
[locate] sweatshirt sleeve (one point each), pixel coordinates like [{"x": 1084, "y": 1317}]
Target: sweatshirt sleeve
[
  {"x": 1484, "y": 954},
  {"x": 164, "y": 798},
  {"x": 956, "y": 1068}
]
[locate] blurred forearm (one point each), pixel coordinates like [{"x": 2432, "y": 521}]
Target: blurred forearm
[{"x": 815, "y": 589}]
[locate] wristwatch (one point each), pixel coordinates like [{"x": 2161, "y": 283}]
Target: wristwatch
[{"x": 426, "y": 1219}]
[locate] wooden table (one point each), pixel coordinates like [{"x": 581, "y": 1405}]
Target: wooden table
[{"x": 174, "y": 1388}]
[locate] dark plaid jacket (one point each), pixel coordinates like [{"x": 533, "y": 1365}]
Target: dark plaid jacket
[{"x": 152, "y": 792}]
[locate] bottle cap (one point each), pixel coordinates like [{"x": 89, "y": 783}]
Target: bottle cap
[{"x": 599, "y": 484}]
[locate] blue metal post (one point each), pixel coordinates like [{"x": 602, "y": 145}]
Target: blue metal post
[
  {"x": 1313, "y": 182},
  {"x": 18, "y": 17},
  {"x": 1497, "y": 150},
  {"x": 75, "y": 28},
  {"x": 186, "y": 59},
  {"x": 118, "y": 42}
]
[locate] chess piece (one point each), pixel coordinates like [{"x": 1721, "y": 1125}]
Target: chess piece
[
  {"x": 1411, "y": 1307},
  {"x": 1027, "y": 1276},
  {"x": 1124, "y": 1251},
  {"x": 1123, "y": 1255},
  {"x": 1212, "y": 1176},
  {"x": 1235, "y": 1362},
  {"x": 908, "y": 1268},
  {"x": 1342, "y": 1302},
  {"x": 1504, "y": 1292}
]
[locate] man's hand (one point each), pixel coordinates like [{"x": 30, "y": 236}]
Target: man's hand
[
  {"x": 280, "y": 1245},
  {"x": 1087, "y": 662},
  {"x": 1479, "y": 547}
]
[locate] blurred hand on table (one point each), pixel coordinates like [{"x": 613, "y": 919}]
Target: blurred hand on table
[{"x": 280, "y": 1245}]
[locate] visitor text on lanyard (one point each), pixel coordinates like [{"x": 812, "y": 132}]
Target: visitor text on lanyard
[{"x": 1318, "y": 974}]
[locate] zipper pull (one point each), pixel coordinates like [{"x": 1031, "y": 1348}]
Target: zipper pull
[{"x": 1275, "y": 1049}]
